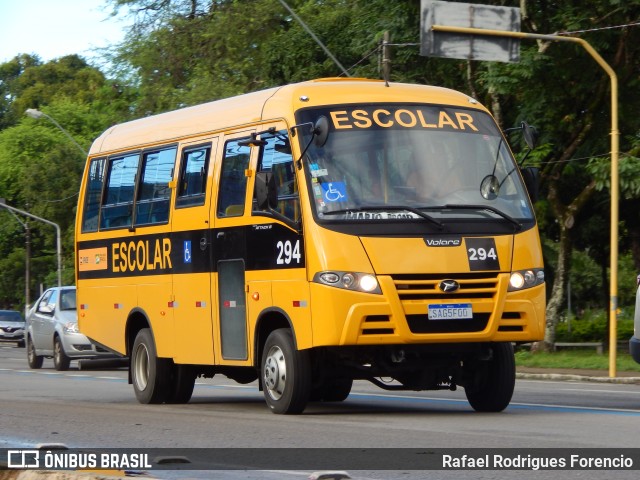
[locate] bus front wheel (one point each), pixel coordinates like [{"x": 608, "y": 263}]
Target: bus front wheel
[
  {"x": 149, "y": 373},
  {"x": 494, "y": 383},
  {"x": 286, "y": 373}
]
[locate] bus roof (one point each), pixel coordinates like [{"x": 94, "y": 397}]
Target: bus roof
[{"x": 269, "y": 104}]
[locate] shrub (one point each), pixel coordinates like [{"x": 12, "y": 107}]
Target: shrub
[{"x": 592, "y": 327}]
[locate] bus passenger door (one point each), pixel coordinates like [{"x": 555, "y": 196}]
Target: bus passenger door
[
  {"x": 193, "y": 303},
  {"x": 231, "y": 213}
]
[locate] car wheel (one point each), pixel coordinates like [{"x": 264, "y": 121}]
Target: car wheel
[
  {"x": 286, "y": 373},
  {"x": 35, "y": 361},
  {"x": 20, "y": 344},
  {"x": 493, "y": 387},
  {"x": 150, "y": 375},
  {"x": 61, "y": 361}
]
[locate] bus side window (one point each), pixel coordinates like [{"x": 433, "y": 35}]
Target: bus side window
[
  {"x": 117, "y": 207},
  {"x": 152, "y": 205},
  {"x": 276, "y": 157},
  {"x": 233, "y": 180},
  {"x": 192, "y": 182},
  {"x": 95, "y": 181}
]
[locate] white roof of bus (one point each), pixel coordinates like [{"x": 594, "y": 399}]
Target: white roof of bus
[{"x": 279, "y": 102}]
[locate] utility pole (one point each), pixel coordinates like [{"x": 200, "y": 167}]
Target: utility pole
[{"x": 386, "y": 60}]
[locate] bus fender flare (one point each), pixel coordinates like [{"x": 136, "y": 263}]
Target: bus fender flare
[
  {"x": 136, "y": 321},
  {"x": 270, "y": 319}
]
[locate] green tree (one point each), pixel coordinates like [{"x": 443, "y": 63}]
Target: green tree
[{"x": 40, "y": 168}]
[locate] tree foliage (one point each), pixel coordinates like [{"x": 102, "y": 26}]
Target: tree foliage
[{"x": 184, "y": 52}]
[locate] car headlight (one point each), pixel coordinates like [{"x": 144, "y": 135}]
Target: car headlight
[
  {"x": 70, "y": 327},
  {"x": 359, "y": 282},
  {"x": 522, "y": 279}
]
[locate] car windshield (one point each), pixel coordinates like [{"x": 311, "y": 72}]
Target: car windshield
[
  {"x": 68, "y": 300},
  {"x": 10, "y": 316},
  {"x": 421, "y": 162}
]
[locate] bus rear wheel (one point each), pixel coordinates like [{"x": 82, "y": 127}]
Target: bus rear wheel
[
  {"x": 285, "y": 373},
  {"x": 149, "y": 373},
  {"x": 494, "y": 384}
]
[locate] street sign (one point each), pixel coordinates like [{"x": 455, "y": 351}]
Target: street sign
[{"x": 464, "y": 46}]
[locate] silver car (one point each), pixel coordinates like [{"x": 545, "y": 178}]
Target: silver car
[
  {"x": 52, "y": 331},
  {"x": 11, "y": 327}
]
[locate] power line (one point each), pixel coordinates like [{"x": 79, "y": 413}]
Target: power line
[
  {"x": 601, "y": 28},
  {"x": 308, "y": 30}
]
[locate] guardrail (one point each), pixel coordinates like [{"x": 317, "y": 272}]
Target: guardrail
[{"x": 597, "y": 345}]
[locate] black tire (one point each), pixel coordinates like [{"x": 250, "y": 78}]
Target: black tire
[
  {"x": 183, "y": 379},
  {"x": 35, "y": 361},
  {"x": 336, "y": 390},
  {"x": 150, "y": 375},
  {"x": 493, "y": 388},
  {"x": 285, "y": 374},
  {"x": 20, "y": 344},
  {"x": 61, "y": 361}
]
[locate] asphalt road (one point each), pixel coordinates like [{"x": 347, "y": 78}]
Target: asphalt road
[{"x": 96, "y": 408}]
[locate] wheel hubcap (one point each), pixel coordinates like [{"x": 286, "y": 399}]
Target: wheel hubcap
[
  {"x": 275, "y": 372},
  {"x": 141, "y": 367}
]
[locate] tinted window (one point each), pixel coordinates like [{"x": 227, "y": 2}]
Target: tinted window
[
  {"x": 276, "y": 156},
  {"x": 154, "y": 194},
  {"x": 233, "y": 181},
  {"x": 193, "y": 176},
  {"x": 92, "y": 195},
  {"x": 117, "y": 209},
  {"x": 10, "y": 316},
  {"x": 68, "y": 300}
]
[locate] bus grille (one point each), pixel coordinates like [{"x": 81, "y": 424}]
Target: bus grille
[
  {"x": 425, "y": 287},
  {"x": 412, "y": 288}
]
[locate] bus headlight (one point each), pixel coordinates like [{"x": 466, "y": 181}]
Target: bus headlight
[
  {"x": 359, "y": 282},
  {"x": 522, "y": 279}
]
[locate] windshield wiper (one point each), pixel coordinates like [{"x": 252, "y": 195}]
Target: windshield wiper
[
  {"x": 396, "y": 208},
  {"x": 500, "y": 213}
]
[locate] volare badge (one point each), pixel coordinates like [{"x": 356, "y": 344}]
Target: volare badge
[{"x": 482, "y": 254}]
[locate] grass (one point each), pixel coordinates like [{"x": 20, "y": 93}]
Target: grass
[{"x": 579, "y": 359}]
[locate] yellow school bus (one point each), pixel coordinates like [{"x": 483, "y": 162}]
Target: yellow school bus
[{"x": 310, "y": 235}]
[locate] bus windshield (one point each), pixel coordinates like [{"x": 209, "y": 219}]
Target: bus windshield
[{"x": 390, "y": 162}]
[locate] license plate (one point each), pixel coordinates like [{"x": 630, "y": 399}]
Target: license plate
[{"x": 450, "y": 311}]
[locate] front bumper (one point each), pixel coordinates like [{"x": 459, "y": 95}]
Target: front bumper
[
  {"x": 78, "y": 346},
  {"x": 12, "y": 337}
]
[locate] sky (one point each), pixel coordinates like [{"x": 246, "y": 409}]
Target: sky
[{"x": 55, "y": 28}]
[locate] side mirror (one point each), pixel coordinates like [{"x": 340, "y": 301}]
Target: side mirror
[
  {"x": 46, "y": 308},
  {"x": 531, "y": 177},
  {"x": 321, "y": 131},
  {"x": 266, "y": 191}
]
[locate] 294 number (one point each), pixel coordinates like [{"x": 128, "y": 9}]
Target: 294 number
[
  {"x": 288, "y": 252},
  {"x": 481, "y": 254}
]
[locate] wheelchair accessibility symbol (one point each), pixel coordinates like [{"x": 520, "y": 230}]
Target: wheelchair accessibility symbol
[
  {"x": 187, "y": 251},
  {"x": 334, "y": 192}
]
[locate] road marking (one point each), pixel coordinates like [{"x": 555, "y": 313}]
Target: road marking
[
  {"x": 625, "y": 392},
  {"x": 385, "y": 396}
]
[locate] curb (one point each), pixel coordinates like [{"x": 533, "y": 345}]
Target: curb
[{"x": 577, "y": 378}]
